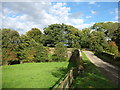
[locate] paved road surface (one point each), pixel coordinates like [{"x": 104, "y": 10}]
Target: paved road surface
[{"x": 112, "y": 72}]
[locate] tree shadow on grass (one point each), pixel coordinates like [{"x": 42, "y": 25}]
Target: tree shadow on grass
[{"x": 59, "y": 73}]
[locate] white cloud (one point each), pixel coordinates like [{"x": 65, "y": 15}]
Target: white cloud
[
  {"x": 24, "y": 16},
  {"x": 93, "y": 12},
  {"x": 76, "y": 21},
  {"x": 28, "y": 16},
  {"x": 82, "y": 26},
  {"x": 77, "y": 15},
  {"x": 92, "y": 2},
  {"x": 88, "y": 16}
]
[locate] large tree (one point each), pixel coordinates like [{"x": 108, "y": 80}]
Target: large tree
[
  {"x": 112, "y": 31},
  {"x": 98, "y": 41},
  {"x": 56, "y": 33},
  {"x": 53, "y": 34},
  {"x": 10, "y": 39},
  {"x": 85, "y": 38},
  {"x": 10, "y": 45},
  {"x": 35, "y": 34},
  {"x": 107, "y": 27}
]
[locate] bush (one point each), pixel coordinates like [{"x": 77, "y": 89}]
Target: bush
[
  {"x": 55, "y": 58},
  {"x": 8, "y": 55},
  {"x": 113, "y": 48},
  {"x": 60, "y": 52},
  {"x": 41, "y": 54}
]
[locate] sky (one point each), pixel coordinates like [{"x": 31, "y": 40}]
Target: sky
[{"x": 22, "y": 16}]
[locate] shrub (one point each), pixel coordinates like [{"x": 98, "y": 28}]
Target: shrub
[
  {"x": 60, "y": 52},
  {"x": 41, "y": 53},
  {"x": 8, "y": 55},
  {"x": 55, "y": 58},
  {"x": 113, "y": 48}
]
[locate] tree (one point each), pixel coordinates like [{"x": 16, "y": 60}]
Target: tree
[
  {"x": 29, "y": 54},
  {"x": 35, "y": 34},
  {"x": 41, "y": 53},
  {"x": 10, "y": 39},
  {"x": 107, "y": 27},
  {"x": 56, "y": 33},
  {"x": 8, "y": 56},
  {"x": 85, "y": 38},
  {"x": 98, "y": 41},
  {"x": 25, "y": 43},
  {"x": 113, "y": 48},
  {"x": 10, "y": 46},
  {"x": 116, "y": 37},
  {"x": 72, "y": 36},
  {"x": 60, "y": 52},
  {"x": 53, "y": 34},
  {"x": 111, "y": 30}
]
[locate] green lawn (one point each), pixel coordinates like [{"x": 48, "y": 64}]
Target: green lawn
[
  {"x": 91, "y": 77},
  {"x": 33, "y": 75}
]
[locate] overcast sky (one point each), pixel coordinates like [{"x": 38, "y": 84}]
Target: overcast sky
[{"x": 22, "y": 16}]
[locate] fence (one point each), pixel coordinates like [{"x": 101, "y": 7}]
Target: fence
[
  {"x": 69, "y": 77},
  {"x": 67, "y": 81},
  {"x": 73, "y": 72}
]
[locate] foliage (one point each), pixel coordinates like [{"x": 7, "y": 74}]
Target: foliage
[
  {"x": 85, "y": 38},
  {"x": 116, "y": 36},
  {"x": 76, "y": 45},
  {"x": 98, "y": 38},
  {"x": 53, "y": 34},
  {"x": 8, "y": 55},
  {"x": 10, "y": 45},
  {"x": 41, "y": 53},
  {"x": 35, "y": 34},
  {"x": 113, "y": 48},
  {"x": 111, "y": 30},
  {"x": 26, "y": 48},
  {"x": 60, "y": 52},
  {"x": 29, "y": 54},
  {"x": 56, "y": 33},
  {"x": 32, "y": 51},
  {"x": 97, "y": 41},
  {"x": 107, "y": 27},
  {"x": 72, "y": 36}
]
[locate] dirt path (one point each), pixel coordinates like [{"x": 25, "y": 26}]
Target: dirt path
[{"x": 112, "y": 72}]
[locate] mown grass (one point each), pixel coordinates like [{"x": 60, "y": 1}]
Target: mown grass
[
  {"x": 91, "y": 77},
  {"x": 33, "y": 75}
]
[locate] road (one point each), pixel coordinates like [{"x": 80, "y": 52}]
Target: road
[{"x": 112, "y": 72}]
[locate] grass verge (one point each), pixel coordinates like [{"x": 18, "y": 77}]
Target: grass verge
[
  {"x": 109, "y": 58},
  {"x": 91, "y": 77}
]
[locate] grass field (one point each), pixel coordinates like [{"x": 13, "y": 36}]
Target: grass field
[
  {"x": 33, "y": 75},
  {"x": 91, "y": 77}
]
